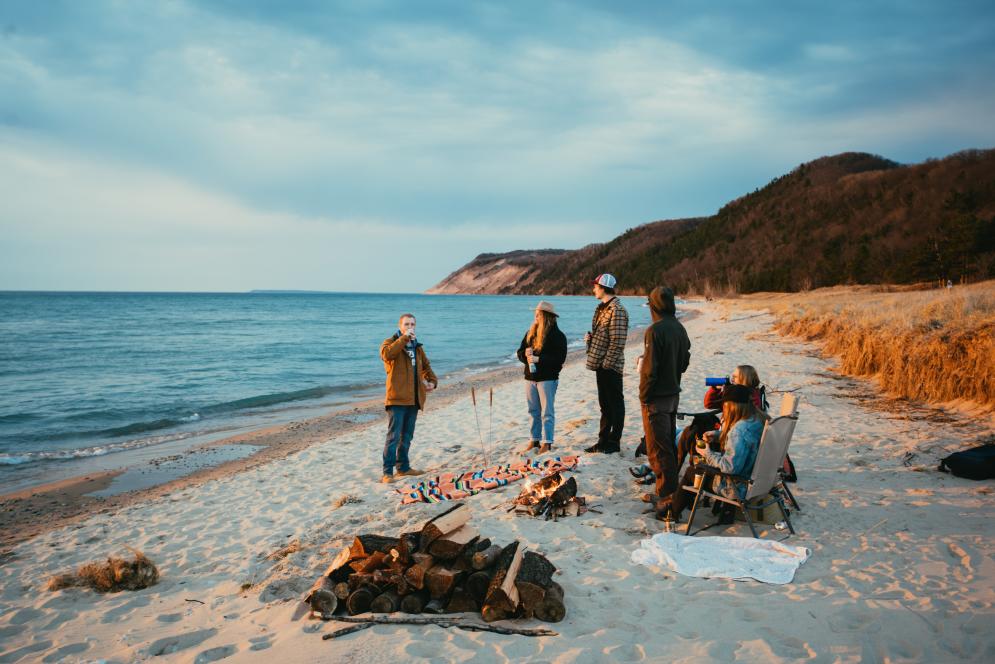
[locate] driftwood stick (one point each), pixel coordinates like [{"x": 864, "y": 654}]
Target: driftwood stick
[
  {"x": 446, "y": 622},
  {"x": 347, "y": 630}
]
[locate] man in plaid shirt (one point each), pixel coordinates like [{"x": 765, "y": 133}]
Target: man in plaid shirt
[{"x": 606, "y": 358}]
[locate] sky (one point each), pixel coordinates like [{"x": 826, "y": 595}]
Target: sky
[{"x": 377, "y": 146}]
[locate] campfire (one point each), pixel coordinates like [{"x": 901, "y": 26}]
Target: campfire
[
  {"x": 550, "y": 498},
  {"x": 446, "y": 567}
]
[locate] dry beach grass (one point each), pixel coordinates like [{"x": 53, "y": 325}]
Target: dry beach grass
[{"x": 934, "y": 345}]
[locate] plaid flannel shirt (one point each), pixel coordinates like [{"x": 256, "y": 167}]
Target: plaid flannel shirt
[{"x": 609, "y": 327}]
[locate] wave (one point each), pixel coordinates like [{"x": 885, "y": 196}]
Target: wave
[{"x": 16, "y": 459}]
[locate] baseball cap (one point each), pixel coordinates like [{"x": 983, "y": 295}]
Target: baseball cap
[{"x": 606, "y": 280}]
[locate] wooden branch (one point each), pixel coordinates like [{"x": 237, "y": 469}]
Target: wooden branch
[
  {"x": 447, "y": 622},
  {"x": 451, "y": 545},
  {"x": 346, "y": 630}
]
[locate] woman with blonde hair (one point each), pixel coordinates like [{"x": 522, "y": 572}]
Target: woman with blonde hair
[
  {"x": 543, "y": 351},
  {"x": 731, "y": 450},
  {"x": 744, "y": 374}
]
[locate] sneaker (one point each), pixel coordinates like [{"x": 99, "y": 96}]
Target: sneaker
[
  {"x": 648, "y": 478},
  {"x": 410, "y": 472},
  {"x": 386, "y": 479},
  {"x": 533, "y": 444},
  {"x": 545, "y": 447}
]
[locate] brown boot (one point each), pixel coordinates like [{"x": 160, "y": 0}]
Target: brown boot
[
  {"x": 545, "y": 447},
  {"x": 533, "y": 444}
]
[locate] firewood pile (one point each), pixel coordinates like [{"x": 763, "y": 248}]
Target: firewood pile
[
  {"x": 446, "y": 567},
  {"x": 551, "y": 497}
]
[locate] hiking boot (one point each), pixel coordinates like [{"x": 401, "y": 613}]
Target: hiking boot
[
  {"x": 603, "y": 448},
  {"x": 386, "y": 479},
  {"x": 410, "y": 472},
  {"x": 533, "y": 444},
  {"x": 545, "y": 447}
]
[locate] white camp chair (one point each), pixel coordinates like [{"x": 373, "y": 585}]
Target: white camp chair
[
  {"x": 789, "y": 408},
  {"x": 765, "y": 480}
]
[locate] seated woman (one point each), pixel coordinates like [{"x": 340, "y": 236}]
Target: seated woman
[{"x": 732, "y": 450}]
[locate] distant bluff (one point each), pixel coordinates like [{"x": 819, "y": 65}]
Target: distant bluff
[{"x": 852, "y": 218}]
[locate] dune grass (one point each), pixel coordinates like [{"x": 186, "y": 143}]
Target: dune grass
[{"x": 935, "y": 345}]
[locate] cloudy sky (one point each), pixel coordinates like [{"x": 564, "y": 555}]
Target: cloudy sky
[{"x": 377, "y": 146}]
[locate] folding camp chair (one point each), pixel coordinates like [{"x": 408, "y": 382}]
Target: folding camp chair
[
  {"x": 789, "y": 408},
  {"x": 763, "y": 483}
]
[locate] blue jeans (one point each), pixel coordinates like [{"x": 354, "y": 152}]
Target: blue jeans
[
  {"x": 400, "y": 431},
  {"x": 541, "y": 397}
]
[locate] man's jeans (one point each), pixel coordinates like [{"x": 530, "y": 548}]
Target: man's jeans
[
  {"x": 400, "y": 431},
  {"x": 541, "y": 396}
]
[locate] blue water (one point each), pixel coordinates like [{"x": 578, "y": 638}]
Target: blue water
[{"x": 91, "y": 374}]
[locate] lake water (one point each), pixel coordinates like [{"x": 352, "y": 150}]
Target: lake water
[{"x": 90, "y": 375}]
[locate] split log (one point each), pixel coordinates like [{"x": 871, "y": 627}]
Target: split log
[
  {"x": 387, "y": 602},
  {"x": 407, "y": 545},
  {"x": 415, "y": 602},
  {"x": 342, "y": 590},
  {"x": 360, "y": 600},
  {"x": 552, "y": 607},
  {"x": 372, "y": 562},
  {"x": 487, "y": 557},
  {"x": 440, "y": 581},
  {"x": 366, "y": 545},
  {"x": 461, "y": 601},
  {"x": 451, "y": 545},
  {"x": 530, "y": 595},
  {"x": 340, "y": 570},
  {"x": 321, "y": 597},
  {"x": 446, "y": 522},
  {"x": 415, "y": 574},
  {"x": 535, "y": 569},
  {"x": 502, "y": 595},
  {"x": 477, "y": 585}
]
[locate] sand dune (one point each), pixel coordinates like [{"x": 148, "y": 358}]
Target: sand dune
[{"x": 902, "y": 568}]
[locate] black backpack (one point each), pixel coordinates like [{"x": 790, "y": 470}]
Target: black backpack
[{"x": 977, "y": 463}]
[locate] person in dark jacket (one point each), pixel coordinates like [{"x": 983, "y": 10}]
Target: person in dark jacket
[
  {"x": 543, "y": 351},
  {"x": 666, "y": 354}
]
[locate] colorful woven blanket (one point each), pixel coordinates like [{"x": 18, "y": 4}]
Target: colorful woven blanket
[{"x": 456, "y": 486}]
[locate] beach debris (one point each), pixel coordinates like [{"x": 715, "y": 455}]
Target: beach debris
[
  {"x": 445, "y": 567},
  {"x": 551, "y": 497},
  {"x": 110, "y": 576}
]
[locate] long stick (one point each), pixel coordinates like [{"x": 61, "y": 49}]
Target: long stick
[
  {"x": 480, "y": 434},
  {"x": 445, "y": 623},
  {"x": 490, "y": 420}
]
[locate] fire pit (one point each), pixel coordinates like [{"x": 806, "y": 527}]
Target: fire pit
[{"x": 550, "y": 498}]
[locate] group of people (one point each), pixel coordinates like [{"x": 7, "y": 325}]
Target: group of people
[{"x": 730, "y": 448}]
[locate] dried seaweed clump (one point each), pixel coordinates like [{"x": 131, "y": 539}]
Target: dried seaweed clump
[{"x": 110, "y": 576}]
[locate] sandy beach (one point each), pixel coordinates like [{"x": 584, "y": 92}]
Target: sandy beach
[{"x": 902, "y": 565}]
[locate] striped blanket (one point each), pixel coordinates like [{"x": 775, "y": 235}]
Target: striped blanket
[{"x": 456, "y": 486}]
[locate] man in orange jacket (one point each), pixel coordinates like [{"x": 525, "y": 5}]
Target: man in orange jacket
[{"x": 409, "y": 380}]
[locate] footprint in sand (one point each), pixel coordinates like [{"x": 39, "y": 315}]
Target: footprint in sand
[
  {"x": 169, "y": 617},
  {"x": 16, "y": 655},
  {"x": 625, "y": 653},
  {"x": 170, "y": 644},
  {"x": 260, "y": 642},
  {"x": 64, "y": 652},
  {"x": 214, "y": 654}
]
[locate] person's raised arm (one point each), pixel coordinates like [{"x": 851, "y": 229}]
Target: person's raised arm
[{"x": 391, "y": 349}]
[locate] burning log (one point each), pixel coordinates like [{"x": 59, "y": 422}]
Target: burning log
[
  {"x": 415, "y": 602},
  {"x": 415, "y": 575},
  {"x": 445, "y": 523},
  {"x": 487, "y": 557},
  {"x": 552, "y": 608},
  {"x": 440, "y": 580},
  {"x": 386, "y": 602},
  {"x": 452, "y": 544},
  {"x": 502, "y": 595},
  {"x": 322, "y": 597}
]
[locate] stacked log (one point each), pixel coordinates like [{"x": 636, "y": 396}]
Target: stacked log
[{"x": 446, "y": 567}]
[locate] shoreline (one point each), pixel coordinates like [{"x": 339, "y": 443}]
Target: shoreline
[{"x": 29, "y": 512}]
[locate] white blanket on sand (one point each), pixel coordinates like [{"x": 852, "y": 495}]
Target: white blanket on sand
[{"x": 724, "y": 557}]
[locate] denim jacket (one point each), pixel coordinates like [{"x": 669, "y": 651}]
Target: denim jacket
[{"x": 740, "y": 454}]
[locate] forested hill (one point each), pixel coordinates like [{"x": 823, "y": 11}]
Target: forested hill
[{"x": 850, "y": 218}]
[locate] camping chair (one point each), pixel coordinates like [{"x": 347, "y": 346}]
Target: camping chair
[
  {"x": 789, "y": 408},
  {"x": 762, "y": 483}
]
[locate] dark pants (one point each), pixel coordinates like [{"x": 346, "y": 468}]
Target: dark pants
[
  {"x": 660, "y": 427},
  {"x": 400, "y": 431},
  {"x": 612, "y": 408}
]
